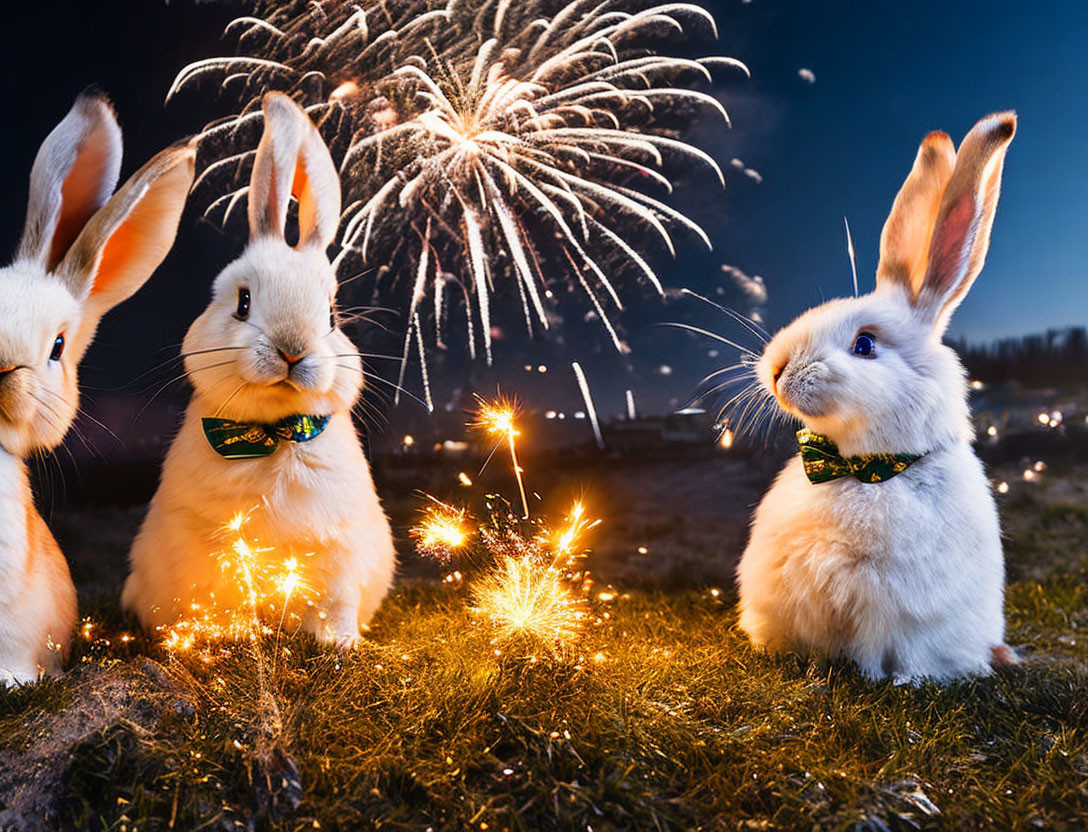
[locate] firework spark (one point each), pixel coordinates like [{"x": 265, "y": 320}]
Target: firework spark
[
  {"x": 535, "y": 589},
  {"x": 587, "y": 397},
  {"x": 442, "y": 531},
  {"x": 523, "y": 599},
  {"x": 254, "y": 587},
  {"x": 532, "y": 583},
  {"x": 498, "y": 419},
  {"x": 521, "y": 140}
]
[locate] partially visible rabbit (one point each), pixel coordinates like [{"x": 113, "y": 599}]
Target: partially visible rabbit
[
  {"x": 880, "y": 542},
  {"x": 269, "y": 426},
  {"x": 79, "y": 256}
]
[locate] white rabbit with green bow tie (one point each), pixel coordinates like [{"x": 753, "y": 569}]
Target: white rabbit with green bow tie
[
  {"x": 880, "y": 541},
  {"x": 269, "y": 431}
]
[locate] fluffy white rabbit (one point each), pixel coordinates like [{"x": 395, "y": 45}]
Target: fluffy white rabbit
[
  {"x": 897, "y": 566},
  {"x": 265, "y": 352},
  {"x": 79, "y": 256}
]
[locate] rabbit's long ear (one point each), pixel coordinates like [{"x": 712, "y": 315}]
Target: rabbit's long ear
[
  {"x": 961, "y": 237},
  {"x": 905, "y": 240},
  {"x": 74, "y": 174},
  {"x": 127, "y": 239},
  {"x": 292, "y": 160}
]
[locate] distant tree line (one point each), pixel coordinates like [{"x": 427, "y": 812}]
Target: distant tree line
[{"x": 1056, "y": 358}]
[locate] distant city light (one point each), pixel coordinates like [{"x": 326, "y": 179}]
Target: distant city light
[
  {"x": 1029, "y": 474},
  {"x": 977, "y": 385},
  {"x": 1002, "y": 487},
  {"x": 409, "y": 440},
  {"x": 551, "y": 414},
  {"x": 1044, "y": 418}
]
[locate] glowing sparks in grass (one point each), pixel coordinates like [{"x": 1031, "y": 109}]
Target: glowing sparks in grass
[
  {"x": 497, "y": 419},
  {"x": 522, "y": 598},
  {"x": 253, "y": 586},
  {"x": 480, "y": 140},
  {"x": 532, "y": 582},
  {"x": 442, "y": 531},
  {"x": 535, "y": 589}
]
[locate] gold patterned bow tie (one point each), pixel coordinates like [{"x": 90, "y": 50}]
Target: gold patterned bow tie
[
  {"x": 823, "y": 462},
  {"x": 247, "y": 440}
]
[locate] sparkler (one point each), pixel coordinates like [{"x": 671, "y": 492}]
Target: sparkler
[
  {"x": 532, "y": 585},
  {"x": 252, "y": 585},
  {"x": 497, "y": 419},
  {"x": 535, "y": 588},
  {"x": 442, "y": 531},
  {"x": 519, "y": 139}
]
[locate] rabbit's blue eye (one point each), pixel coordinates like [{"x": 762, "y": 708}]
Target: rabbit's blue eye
[
  {"x": 863, "y": 345},
  {"x": 58, "y": 348},
  {"x": 242, "y": 312}
]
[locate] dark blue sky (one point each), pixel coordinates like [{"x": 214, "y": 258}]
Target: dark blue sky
[{"x": 886, "y": 74}]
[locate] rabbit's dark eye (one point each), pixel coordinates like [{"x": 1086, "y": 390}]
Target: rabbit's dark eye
[
  {"x": 863, "y": 345},
  {"x": 58, "y": 348},
  {"x": 243, "y": 304}
]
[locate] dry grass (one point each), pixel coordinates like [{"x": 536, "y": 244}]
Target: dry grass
[{"x": 662, "y": 718}]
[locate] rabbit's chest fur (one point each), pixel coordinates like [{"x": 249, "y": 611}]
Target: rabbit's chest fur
[
  {"x": 868, "y": 570},
  {"x": 304, "y": 494},
  {"x": 13, "y": 531}
]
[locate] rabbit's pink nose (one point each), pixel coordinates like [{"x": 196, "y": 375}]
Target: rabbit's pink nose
[
  {"x": 776, "y": 374},
  {"x": 291, "y": 360}
]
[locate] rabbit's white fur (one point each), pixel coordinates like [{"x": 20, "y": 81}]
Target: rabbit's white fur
[
  {"x": 314, "y": 500},
  {"x": 906, "y": 576},
  {"x": 79, "y": 256}
]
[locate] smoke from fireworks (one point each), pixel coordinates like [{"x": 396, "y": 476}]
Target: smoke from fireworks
[{"x": 480, "y": 140}]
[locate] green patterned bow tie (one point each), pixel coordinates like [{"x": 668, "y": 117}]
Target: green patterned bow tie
[
  {"x": 824, "y": 463},
  {"x": 247, "y": 440}
]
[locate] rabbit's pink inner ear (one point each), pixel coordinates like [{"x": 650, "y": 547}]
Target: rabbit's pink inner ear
[
  {"x": 961, "y": 238},
  {"x": 316, "y": 186},
  {"x": 950, "y": 251},
  {"x": 144, "y": 237},
  {"x": 85, "y": 190},
  {"x": 74, "y": 173},
  {"x": 126, "y": 239},
  {"x": 292, "y": 160},
  {"x": 905, "y": 239}
]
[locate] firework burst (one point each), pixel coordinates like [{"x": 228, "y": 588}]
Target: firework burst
[{"x": 482, "y": 141}]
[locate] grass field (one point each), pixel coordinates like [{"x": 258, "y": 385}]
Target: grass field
[{"x": 660, "y": 718}]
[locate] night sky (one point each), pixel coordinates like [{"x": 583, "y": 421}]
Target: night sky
[{"x": 885, "y": 74}]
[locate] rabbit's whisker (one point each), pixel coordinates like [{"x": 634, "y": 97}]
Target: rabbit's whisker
[
  {"x": 374, "y": 377},
  {"x": 743, "y": 320},
  {"x": 229, "y": 398},
  {"x": 709, "y": 334}
]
